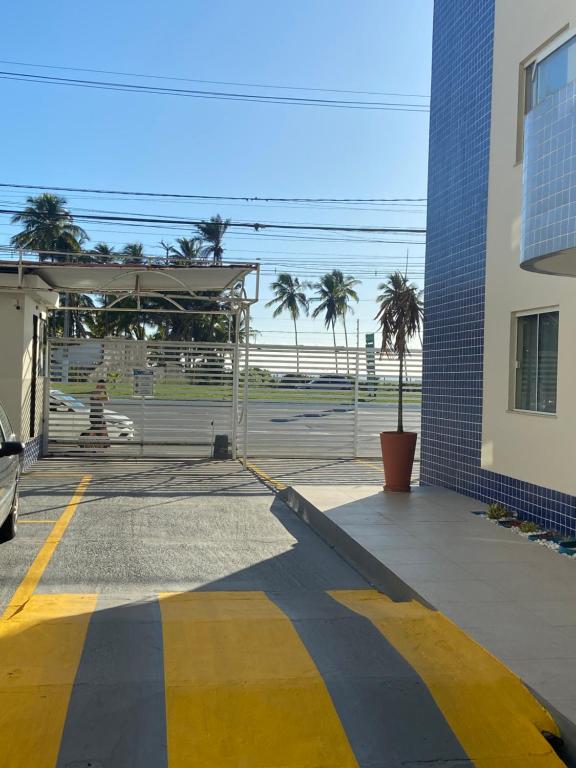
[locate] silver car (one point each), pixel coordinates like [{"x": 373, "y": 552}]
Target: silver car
[
  {"x": 70, "y": 420},
  {"x": 10, "y": 451}
]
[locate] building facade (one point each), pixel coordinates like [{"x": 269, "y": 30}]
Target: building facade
[{"x": 499, "y": 422}]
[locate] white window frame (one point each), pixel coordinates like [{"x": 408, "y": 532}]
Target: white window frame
[{"x": 515, "y": 363}]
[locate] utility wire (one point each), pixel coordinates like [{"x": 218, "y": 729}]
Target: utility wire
[
  {"x": 221, "y": 95},
  {"x": 257, "y": 226},
  {"x": 214, "y": 82},
  {"x": 15, "y": 197},
  {"x": 221, "y": 197},
  {"x": 93, "y": 211}
]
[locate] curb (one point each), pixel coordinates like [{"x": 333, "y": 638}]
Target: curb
[
  {"x": 384, "y": 579},
  {"x": 373, "y": 570}
]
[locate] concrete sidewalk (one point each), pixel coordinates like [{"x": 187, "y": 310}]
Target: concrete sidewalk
[{"x": 515, "y": 597}]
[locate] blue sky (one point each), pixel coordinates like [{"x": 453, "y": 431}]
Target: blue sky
[{"x": 102, "y": 139}]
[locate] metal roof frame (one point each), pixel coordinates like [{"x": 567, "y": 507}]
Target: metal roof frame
[{"x": 171, "y": 284}]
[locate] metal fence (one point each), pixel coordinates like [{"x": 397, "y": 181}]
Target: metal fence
[
  {"x": 160, "y": 397},
  {"x": 320, "y": 401},
  {"x": 190, "y": 399}
]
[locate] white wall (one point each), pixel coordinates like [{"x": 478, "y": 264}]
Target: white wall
[
  {"x": 536, "y": 448},
  {"x": 16, "y": 335}
]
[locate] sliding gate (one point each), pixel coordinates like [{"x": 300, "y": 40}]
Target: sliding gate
[
  {"x": 186, "y": 399},
  {"x": 140, "y": 398},
  {"x": 325, "y": 402}
]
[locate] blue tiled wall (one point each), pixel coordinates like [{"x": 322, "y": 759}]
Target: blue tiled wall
[{"x": 455, "y": 269}]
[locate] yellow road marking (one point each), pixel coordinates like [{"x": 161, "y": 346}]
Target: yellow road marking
[
  {"x": 32, "y": 473},
  {"x": 40, "y": 649},
  {"x": 279, "y": 486},
  {"x": 495, "y": 718},
  {"x": 369, "y": 464},
  {"x": 241, "y": 688},
  {"x": 34, "y": 574}
]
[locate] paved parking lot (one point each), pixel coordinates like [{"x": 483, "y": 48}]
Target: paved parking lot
[{"x": 179, "y": 614}]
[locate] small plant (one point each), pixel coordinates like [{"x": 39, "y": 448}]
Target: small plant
[
  {"x": 113, "y": 378},
  {"x": 497, "y": 511},
  {"x": 528, "y": 526}
]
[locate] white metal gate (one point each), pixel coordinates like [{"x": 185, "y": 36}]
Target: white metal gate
[
  {"x": 315, "y": 402},
  {"x": 176, "y": 398},
  {"x": 160, "y": 398}
]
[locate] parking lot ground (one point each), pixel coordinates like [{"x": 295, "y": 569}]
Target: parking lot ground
[
  {"x": 327, "y": 471},
  {"x": 179, "y": 614}
]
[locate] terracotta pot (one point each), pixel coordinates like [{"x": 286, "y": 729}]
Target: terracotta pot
[{"x": 398, "y": 457}]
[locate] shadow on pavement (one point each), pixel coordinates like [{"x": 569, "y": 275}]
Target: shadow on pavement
[{"x": 256, "y": 665}]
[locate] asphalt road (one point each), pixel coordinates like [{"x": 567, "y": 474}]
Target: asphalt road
[
  {"x": 179, "y": 614},
  {"x": 275, "y": 428}
]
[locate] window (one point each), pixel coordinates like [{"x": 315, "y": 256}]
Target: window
[
  {"x": 536, "y": 362},
  {"x": 545, "y": 77}
]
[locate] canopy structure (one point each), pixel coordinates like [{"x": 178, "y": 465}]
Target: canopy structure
[
  {"x": 172, "y": 285},
  {"x": 57, "y": 281}
]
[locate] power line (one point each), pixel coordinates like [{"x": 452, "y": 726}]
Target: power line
[
  {"x": 152, "y": 229},
  {"x": 256, "y": 226},
  {"x": 214, "y": 82},
  {"x": 24, "y": 77},
  {"x": 221, "y": 197},
  {"x": 8, "y": 229},
  {"x": 418, "y": 209}
]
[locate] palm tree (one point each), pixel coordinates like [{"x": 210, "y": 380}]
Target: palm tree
[
  {"x": 100, "y": 325},
  {"x": 345, "y": 292},
  {"x": 188, "y": 251},
  {"x": 400, "y": 317},
  {"x": 102, "y": 253},
  {"x": 290, "y": 297},
  {"x": 75, "y": 322},
  {"x": 167, "y": 248},
  {"x": 133, "y": 253},
  {"x": 212, "y": 232},
  {"x": 48, "y": 226},
  {"x": 334, "y": 292},
  {"x": 326, "y": 291}
]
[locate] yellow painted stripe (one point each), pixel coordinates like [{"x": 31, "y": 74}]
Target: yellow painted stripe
[
  {"x": 370, "y": 464},
  {"x": 40, "y": 649},
  {"x": 34, "y": 574},
  {"x": 493, "y": 715},
  {"x": 241, "y": 688},
  {"x": 32, "y": 474},
  {"x": 279, "y": 486}
]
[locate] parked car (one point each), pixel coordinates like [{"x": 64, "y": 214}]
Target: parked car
[
  {"x": 70, "y": 419},
  {"x": 330, "y": 381},
  {"x": 292, "y": 381},
  {"x": 10, "y": 452}
]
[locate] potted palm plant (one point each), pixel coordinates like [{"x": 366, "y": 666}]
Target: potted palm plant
[{"x": 400, "y": 319}]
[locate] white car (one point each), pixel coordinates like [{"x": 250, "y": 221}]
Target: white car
[
  {"x": 329, "y": 381},
  {"x": 70, "y": 419}
]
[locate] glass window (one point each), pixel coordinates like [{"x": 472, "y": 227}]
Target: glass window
[
  {"x": 551, "y": 74},
  {"x": 536, "y": 362}
]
